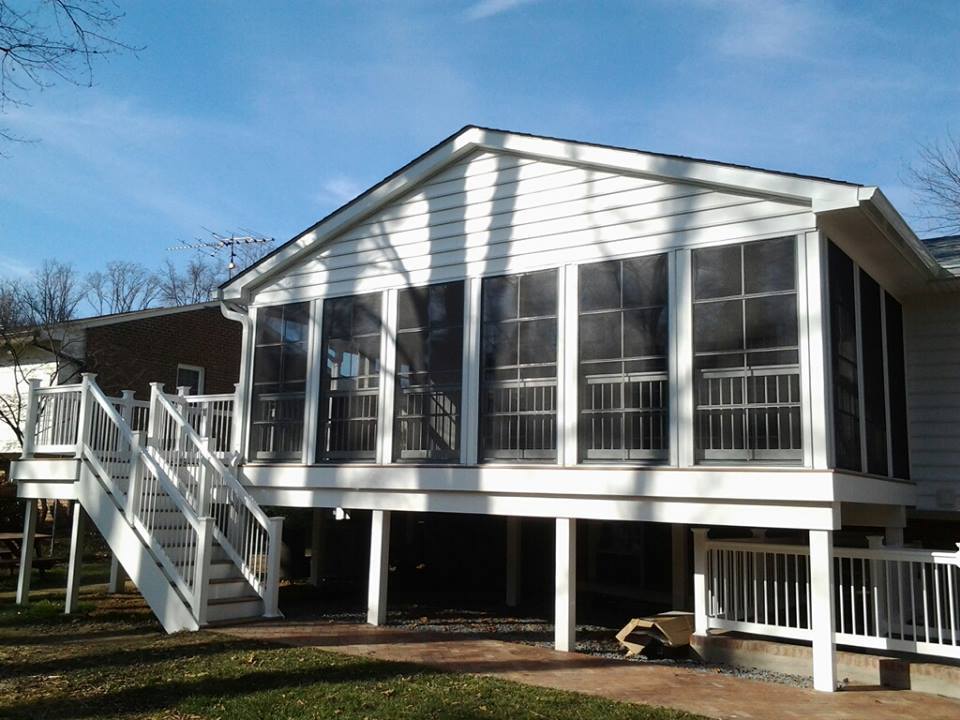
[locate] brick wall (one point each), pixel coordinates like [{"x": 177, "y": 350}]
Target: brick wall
[{"x": 130, "y": 355}]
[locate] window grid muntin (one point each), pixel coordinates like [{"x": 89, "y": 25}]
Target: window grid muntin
[
  {"x": 277, "y": 415},
  {"x": 648, "y": 423},
  {"x": 742, "y": 423},
  {"x": 518, "y": 401},
  {"x": 349, "y": 404}
]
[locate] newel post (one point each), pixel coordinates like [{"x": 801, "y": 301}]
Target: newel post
[
  {"x": 153, "y": 422},
  {"x": 700, "y": 618},
  {"x": 86, "y": 411},
  {"x": 30, "y": 421},
  {"x": 201, "y": 572},
  {"x": 133, "y": 485},
  {"x": 126, "y": 406},
  {"x": 271, "y": 590}
]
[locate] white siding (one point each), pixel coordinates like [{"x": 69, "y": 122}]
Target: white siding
[
  {"x": 932, "y": 329},
  {"x": 494, "y": 213}
]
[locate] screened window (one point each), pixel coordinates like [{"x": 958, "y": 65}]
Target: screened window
[
  {"x": 429, "y": 373},
  {"x": 896, "y": 384},
  {"x": 279, "y": 382},
  {"x": 350, "y": 380},
  {"x": 874, "y": 394},
  {"x": 623, "y": 360},
  {"x": 518, "y": 381},
  {"x": 846, "y": 379},
  {"x": 746, "y": 352}
]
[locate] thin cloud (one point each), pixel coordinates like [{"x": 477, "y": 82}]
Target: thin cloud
[
  {"x": 338, "y": 190},
  {"x": 489, "y": 8}
]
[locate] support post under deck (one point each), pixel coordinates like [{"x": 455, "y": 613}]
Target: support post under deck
[{"x": 379, "y": 567}]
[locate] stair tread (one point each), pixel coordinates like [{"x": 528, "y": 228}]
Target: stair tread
[{"x": 234, "y": 600}]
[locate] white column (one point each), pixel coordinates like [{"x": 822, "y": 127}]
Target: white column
[
  {"x": 822, "y": 610},
  {"x": 567, "y": 365},
  {"x": 681, "y": 567},
  {"x": 565, "y": 617},
  {"x": 700, "y": 581},
  {"x": 316, "y": 546},
  {"x": 77, "y": 534},
  {"x": 513, "y": 561},
  {"x": 379, "y": 567},
  {"x": 682, "y": 382},
  {"x": 26, "y": 551}
]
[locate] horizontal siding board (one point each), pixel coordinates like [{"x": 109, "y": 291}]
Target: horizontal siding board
[
  {"x": 537, "y": 238},
  {"x": 583, "y": 252},
  {"x": 932, "y": 330}
]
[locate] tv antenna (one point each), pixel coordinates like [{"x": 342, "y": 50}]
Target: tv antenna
[{"x": 219, "y": 241}]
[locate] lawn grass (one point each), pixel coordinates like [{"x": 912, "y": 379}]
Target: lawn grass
[{"x": 112, "y": 661}]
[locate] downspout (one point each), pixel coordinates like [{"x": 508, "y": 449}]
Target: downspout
[{"x": 240, "y": 313}]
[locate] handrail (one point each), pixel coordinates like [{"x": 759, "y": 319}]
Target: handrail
[
  {"x": 884, "y": 553},
  {"x": 213, "y": 460}
]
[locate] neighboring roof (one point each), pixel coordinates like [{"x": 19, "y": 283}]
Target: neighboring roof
[
  {"x": 820, "y": 193},
  {"x": 946, "y": 251}
]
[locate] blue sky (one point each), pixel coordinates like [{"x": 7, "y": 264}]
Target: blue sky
[{"x": 269, "y": 115}]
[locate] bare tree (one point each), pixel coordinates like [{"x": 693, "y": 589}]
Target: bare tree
[
  {"x": 122, "y": 287},
  {"x": 36, "y": 340},
  {"x": 935, "y": 179},
  {"x": 194, "y": 284}
]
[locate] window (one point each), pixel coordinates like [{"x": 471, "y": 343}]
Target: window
[
  {"x": 846, "y": 379},
  {"x": 746, "y": 352},
  {"x": 874, "y": 394},
  {"x": 897, "y": 385},
  {"x": 190, "y": 376},
  {"x": 623, "y": 360},
  {"x": 429, "y": 373},
  {"x": 518, "y": 380},
  {"x": 870, "y": 427},
  {"x": 279, "y": 382},
  {"x": 349, "y": 387}
]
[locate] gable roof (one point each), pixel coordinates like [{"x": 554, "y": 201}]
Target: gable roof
[{"x": 819, "y": 193}]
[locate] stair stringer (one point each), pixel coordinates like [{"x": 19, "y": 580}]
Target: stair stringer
[{"x": 133, "y": 555}]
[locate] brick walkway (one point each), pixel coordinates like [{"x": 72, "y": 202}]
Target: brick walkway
[{"x": 713, "y": 695}]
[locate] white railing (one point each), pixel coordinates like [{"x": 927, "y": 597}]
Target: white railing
[
  {"x": 52, "y": 416},
  {"x": 900, "y": 599},
  {"x": 246, "y": 534},
  {"x": 178, "y": 537},
  {"x": 211, "y": 416}
]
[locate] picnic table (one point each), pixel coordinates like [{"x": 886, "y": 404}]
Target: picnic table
[{"x": 11, "y": 544}]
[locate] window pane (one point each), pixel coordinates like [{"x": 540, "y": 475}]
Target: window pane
[
  {"x": 874, "y": 398},
  {"x": 294, "y": 363},
  {"x": 538, "y": 341},
  {"x": 412, "y": 308},
  {"x": 411, "y": 352},
  {"x": 645, "y": 281},
  {"x": 771, "y": 321},
  {"x": 843, "y": 329},
  {"x": 538, "y": 294},
  {"x": 718, "y": 326},
  {"x": 500, "y": 345},
  {"x": 446, "y": 305},
  {"x": 500, "y": 298},
  {"x": 266, "y": 364},
  {"x": 645, "y": 332},
  {"x": 269, "y": 325},
  {"x": 600, "y": 286},
  {"x": 769, "y": 265},
  {"x": 716, "y": 272},
  {"x": 600, "y": 336},
  {"x": 366, "y": 314},
  {"x": 337, "y": 317}
]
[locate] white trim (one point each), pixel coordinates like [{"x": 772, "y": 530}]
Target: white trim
[
  {"x": 388, "y": 356},
  {"x": 251, "y": 349},
  {"x": 568, "y": 357},
  {"x": 683, "y": 379},
  {"x": 886, "y": 379},
  {"x": 311, "y": 405},
  {"x": 804, "y": 343},
  {"x": 470, "y": 412},
  {"x": 861, "y": 404}
]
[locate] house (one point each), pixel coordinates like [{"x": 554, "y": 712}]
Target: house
[
  {"x": 192, "y": 346},
  {"x": 527, "y": 327}
]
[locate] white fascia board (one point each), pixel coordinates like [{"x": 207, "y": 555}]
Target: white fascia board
[
  {"x": 760, "y": 183},
  {"x": 430, "y": 164},
  {"x": 915, "y": 248},
  {"x": 743, "y": 180},
  {"x": 703, "y": 484}
]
